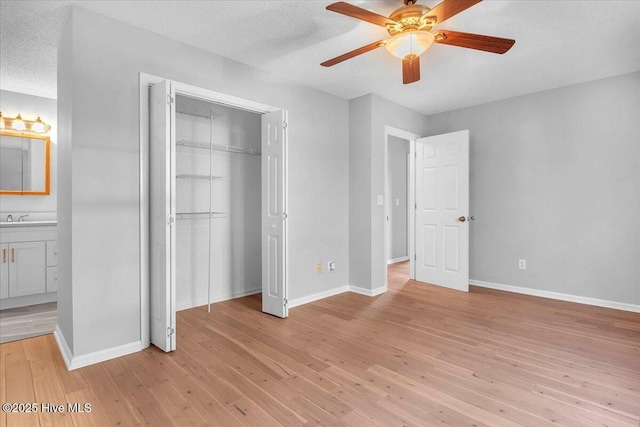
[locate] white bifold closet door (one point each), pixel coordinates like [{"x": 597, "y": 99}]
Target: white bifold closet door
[
  {"x": 162, "y": 213},
  {"x": 274, "y": 213},
  {"x": 162, "y": 292}
]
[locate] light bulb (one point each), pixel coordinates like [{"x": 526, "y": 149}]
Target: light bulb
[
  {"x": 38, "y": 126},
  {"x": 18, "y": 123},
  {"x": 410, "y": 43}
]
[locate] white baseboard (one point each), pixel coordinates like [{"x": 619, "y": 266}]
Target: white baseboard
[
  {"x": 315, "y": 297},
  {"x": 28, "y": 300},
  {"x": 219, "y": 298},
  {"x": 368, "y": 292},
  {"x": 401, "y": 259},
  {"x": 65, "y": 351},
  {"x": 336, "y": 291},
  {"x": 75, "y": 362},
  {"x": 559, "y": 296}
]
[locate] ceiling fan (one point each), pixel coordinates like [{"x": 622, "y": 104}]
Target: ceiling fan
[{"x": 410, "y": 30}]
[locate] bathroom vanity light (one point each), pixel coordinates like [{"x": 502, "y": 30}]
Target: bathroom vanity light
[
  {"x": 18, "y": 124},
  {"x": 21, "y": 125}
]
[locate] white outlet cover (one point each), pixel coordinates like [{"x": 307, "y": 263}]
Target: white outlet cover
[
  {"x": 397, "y": 202},
  {"x": 380, "y": 199}
]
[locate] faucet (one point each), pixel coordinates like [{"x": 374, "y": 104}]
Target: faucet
[
  {"x": 22, "y": 217},
  {"x": 9, "y": 218}
]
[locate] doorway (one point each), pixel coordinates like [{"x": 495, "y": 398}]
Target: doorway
[
  {"x": 438, "y": 206},
  {"x": 399, "y": 196}
]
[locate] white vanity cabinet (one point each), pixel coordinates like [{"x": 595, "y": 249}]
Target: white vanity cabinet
[
  {"x": 26, "y": 272},
  {"x": 4, "y": 271},
  {"x": 52, "y": 266},
  {"x": 28, "y": 265}
]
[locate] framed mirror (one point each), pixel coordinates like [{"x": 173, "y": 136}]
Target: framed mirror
[{"x": 24, "y": 164}]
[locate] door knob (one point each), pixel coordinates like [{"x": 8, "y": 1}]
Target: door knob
[
  {"x": 462, "y": 218},
  {"x": 466, "y": 218}
]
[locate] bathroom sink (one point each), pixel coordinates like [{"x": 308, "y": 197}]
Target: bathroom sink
[{"x": 27, "y": 223}]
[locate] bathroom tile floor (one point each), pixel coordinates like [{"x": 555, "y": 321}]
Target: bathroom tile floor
[{"x": 26, "y": 322}]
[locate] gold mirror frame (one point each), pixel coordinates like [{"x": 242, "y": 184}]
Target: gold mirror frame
[{"x": 47, "y": 167}]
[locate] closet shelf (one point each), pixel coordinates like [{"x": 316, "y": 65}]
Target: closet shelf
[
  {"x": 217, "y": 147},
  {"x": 194, "y": 113},
  {"x": 198, "y": 215},
  {"x": 203, "y": 177}
]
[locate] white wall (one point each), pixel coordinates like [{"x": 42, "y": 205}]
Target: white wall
[
  {"x": 398, "y": 149},
  {"x": 555, "y": 180},
  {"x": 30, "y": 107},
  {"x": 104, "y": 58}
]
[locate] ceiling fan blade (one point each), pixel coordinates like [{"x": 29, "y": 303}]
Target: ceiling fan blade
[
  {"x": 474, "y": 41},
  {"x": 449, "y": 8},
  {"x": 359, "y": 13},
  {"x": 410, "y": 69},
  {"x": 356, "y": 52}
]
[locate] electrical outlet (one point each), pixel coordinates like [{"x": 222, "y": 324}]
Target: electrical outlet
[
  {"x": 331, "y": 265},
  {"x": 522, "y": 264},
  {"x": 319, "y": 267}
]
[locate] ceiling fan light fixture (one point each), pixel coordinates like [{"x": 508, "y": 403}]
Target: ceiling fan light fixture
[{"x": 410, "y": 43}]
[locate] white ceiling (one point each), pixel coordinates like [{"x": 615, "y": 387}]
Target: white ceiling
[{"x": 558, "y": 43}]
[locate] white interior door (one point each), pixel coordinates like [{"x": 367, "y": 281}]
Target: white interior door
[
  {"x": 161, "y": 216},
  {"x": 274, "y": 216},
  {"x": 442, "y": 210}
]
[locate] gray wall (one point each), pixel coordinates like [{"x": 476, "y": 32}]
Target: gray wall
[
  {"x": 360, "y": 191},
  {"x": 65, "y": 126},
  {"x": 398, "y": 149},
  {"x": 369, "y": 115},
  {"x": 385, "y": 113},
  {"x": 30, "y": 107},
  {"x": 555, "y": 180},
  {"x": 103, "y": 58}
]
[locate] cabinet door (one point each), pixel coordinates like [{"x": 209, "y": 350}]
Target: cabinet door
[
  {"x": 52, "y": 253},
  {"x": 52, "y": 279},
  {"x": 26, "y": 269},
  {"x": 4, "y": 271}
]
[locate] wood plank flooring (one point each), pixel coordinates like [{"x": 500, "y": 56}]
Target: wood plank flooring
[
  {"x": 26, "y": 322},
  {"x": 418, "y": 355}
]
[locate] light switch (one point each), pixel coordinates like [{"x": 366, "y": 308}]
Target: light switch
[{"x": 380, "y": 200}]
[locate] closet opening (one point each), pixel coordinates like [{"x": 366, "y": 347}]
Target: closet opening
[
  {"x": 218, "y": 199},
  {"x": 215, "y": 225}
]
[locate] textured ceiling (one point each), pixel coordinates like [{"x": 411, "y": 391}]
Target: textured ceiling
[{"x": 558, "y": 43}]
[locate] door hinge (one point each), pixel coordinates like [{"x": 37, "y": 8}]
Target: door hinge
[
  {"x": 170, "y": 219},
  {"x": 284, "y": 216},
  {"x": 415, "y": 154},
  {"x": 286, "y": 301},
  {"x": 170, "y": 331},
  {"x": 169, "y": 99},
  {"x": 415, "y": 257},
  {"x": 415, "y": 205}
]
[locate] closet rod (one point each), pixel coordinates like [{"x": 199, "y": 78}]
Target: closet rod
[
  {"x": 195, "y": 176},
  {"x": 200, "y": 215},
  {"x": 193, "y": 113},
  {"x": 217, "y": 147}
]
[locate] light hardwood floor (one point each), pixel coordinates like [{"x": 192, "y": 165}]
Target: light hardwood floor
[{"x": 417, "y": 355}]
